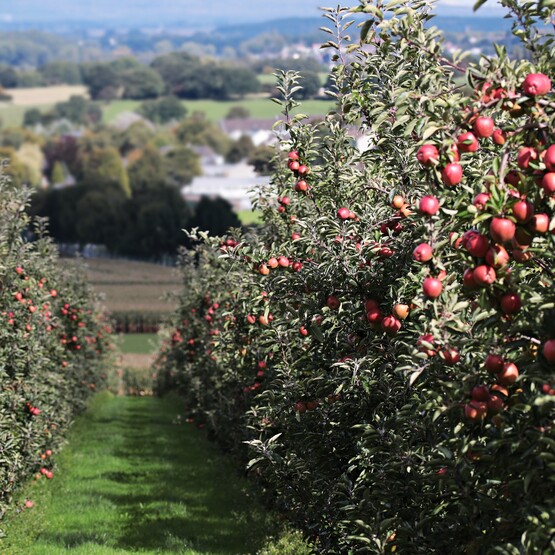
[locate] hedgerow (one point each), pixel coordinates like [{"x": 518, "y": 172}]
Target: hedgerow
[
  {"x": 53, "y": 347},
  {"x": 385, "y": 345}
]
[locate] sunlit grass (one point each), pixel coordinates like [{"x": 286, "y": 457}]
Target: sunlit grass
[{"x": 136, "y": 478}]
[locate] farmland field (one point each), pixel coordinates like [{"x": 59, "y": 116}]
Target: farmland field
[
  {"x": 133, "y": 286},
  {"x": 36, "y": 96}
]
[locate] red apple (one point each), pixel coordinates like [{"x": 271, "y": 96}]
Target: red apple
[
  {"x": 343, "y": 213},
  {"x": 549, "y": 158},
  {"x": 293, "y": 165},
  {"x": 303, "y": 331},
  {"x": 497, "y": 256},
  {"x": 451, "y": 356},
  {"x": 475, "y": 411},
  {"x": 374, "y": 316},
  {"x": 548, "y": 350},
  {"x": 303, "y": 170},
  {"x": 523, "y": 210},
  {"x": 484, "y": 275},
  {"x": 427, "y": 155},
  {"x": 401, "y": 311},
  {"x": 301, "y": 186},
  {"x": 300, "y": 407},
  {"x": 540, "y": 223},
  {"x": 422, "y": 253},
  {"x": 429, "y": 205},
  {"x": 272, "y": 262},
  {"x": 293, "y": 155},
  {"x": 499, "y": 137},
  {"x": 508, "y": 375},
  {"x": 475, "y": 243},
  {"x": 391, "y": 325},
  {"x": 536, "y": 84},
  {"x": 371, "y": 304},
  {"x": 502, "y": 229},
  {"x": 467, "y": 142},
  {"x": 468, "y": 279},
  {"x": 480, "y": 200},
  {"x": 483, "y": 127},
  {"x": 452, "y": 174},
  {"x": 333, "y": 302},
  {"x": 432, "y": 287},
  {"x": 480, "y": 393},
  {"x": 283, "y": 261},
  {"x": 525, "y": 156},
  {"x": 548, "y": 183},
  {"x": 510, "y": 303},
  {"x": 495, "y": 404}
]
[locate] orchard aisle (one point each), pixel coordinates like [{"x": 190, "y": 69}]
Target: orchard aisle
[{"x": 136, "y": 478}]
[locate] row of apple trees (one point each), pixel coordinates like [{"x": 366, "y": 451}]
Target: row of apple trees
[
  {"x": 53, "y": 344},
  {"x": 383, "y": 350}
]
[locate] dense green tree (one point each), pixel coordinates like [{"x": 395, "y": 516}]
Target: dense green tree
[
  {"x": 198, "y": 130},
  {"x": 181, "y": 165},
  {"x": 103, "y": 170},
  {"x": 238, "y": 112},
  {"x": 148, "y": 171},
  {"x": 262, "y": 160},
  {"x": 215, "y": 216},
  {"x": 239, "y": 150},
  {"x": 102, "y": 80},
  {"x": 61, "y": 73},
  {"x": 310, "y": 82},
  {"x": 32, "y": 117},
  {"x": 141, "y": 82},
  {"x": 163, "y": 110},
  {"x": 79, "y": 110},
  {"x": 8, "y": 76},
  {"x": 18, "y": 173},
  {"x": 138, "y": 135}
]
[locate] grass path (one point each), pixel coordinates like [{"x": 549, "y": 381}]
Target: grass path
[{"x": 133, "y": 479}]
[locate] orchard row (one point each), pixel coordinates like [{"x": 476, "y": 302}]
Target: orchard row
[{"x": 384, "y": 345}]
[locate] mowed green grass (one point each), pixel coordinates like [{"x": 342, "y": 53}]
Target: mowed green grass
[
  {"x": 138, "y": 343},
  {"x": 137, "y": 479},
  {"x": 215, "y": 110},
  {"x": 250, "y": 217}
]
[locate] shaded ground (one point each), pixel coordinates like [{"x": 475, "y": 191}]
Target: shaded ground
[{"x": 136, "y": 478}]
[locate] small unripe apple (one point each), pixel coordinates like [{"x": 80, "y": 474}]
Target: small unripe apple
[
  {"x": 432, "y": 287},
  {"x": 502, "y": 229},
  {"x": 548, "y": 183},
  {"x": 422, "y": 253},
  {"x": 429, "y": 205},
  {"x": 523, "y": 210},
  {"x": 484, "y": 275},
  {"x": 452, "y": 174},
  {"x": 483, "y": 127},
  {"x": 548, "y": 350},
  {"x": 401, "y": 311},
  {"x": 510, "y": 303},
  {"x": 540, "y": 223},
  {"x": 508, "y": 375},
  {"x": 427, "y": 155},
  {"x": 467, "y": 142},
  {"x": 536, "y": 84}
]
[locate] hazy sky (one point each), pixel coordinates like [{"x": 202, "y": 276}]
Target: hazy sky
[{"x": 221, "y": 11}]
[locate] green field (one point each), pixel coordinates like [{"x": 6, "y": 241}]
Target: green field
[
  {"x": 137, "y": 478},
  {"x": 216, "y": 110},
  {"x": 249, "y": 217}
]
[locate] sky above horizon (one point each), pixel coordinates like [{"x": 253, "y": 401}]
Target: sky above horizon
[{"x": 217, "y": 11}]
